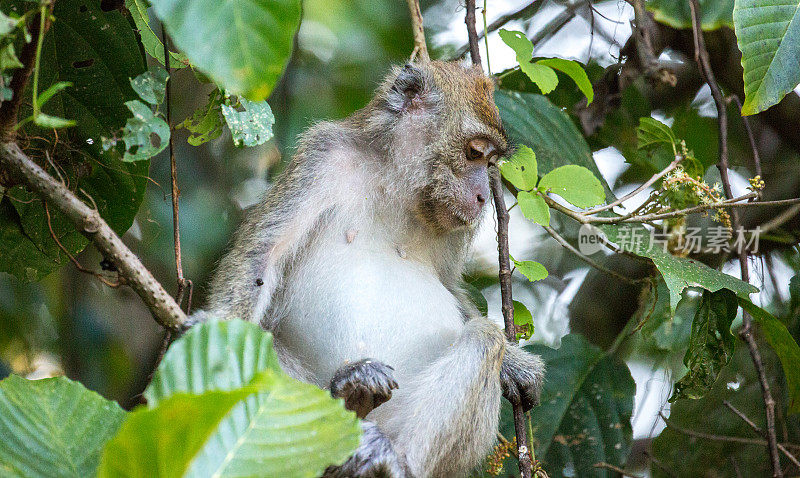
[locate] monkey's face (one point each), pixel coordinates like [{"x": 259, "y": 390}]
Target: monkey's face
[{"x": 445, "y": 129}]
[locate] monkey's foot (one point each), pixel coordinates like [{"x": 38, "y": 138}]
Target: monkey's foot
[
  {"x": 374, "y": 458},
  {"x": 521, "y": 376},
  {"x": 363, "y": 385}
]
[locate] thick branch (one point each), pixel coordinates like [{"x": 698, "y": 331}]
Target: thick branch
[
  {"x": 704, "y": 62},
  {"x": 472, "y": 34},
  {"x": 420, "y": 47},
  {"x": 90, "y": 224}
]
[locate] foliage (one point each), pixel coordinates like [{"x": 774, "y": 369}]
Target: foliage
[
  {"x": 715, "y": 13},
  {"x": 768, "y": 34},
  {"x": 219, "y": 399}
]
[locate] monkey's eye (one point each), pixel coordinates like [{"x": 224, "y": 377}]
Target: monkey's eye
[{"x": 480, "y": 149}]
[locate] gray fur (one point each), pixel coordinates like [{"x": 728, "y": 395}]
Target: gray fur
[{"x": 397, "y": 173}]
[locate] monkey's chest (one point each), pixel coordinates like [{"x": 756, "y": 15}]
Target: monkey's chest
[{"x": 352, "y": 301}]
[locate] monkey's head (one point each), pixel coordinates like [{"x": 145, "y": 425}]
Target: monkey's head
[{"x": 445, "y": 129}]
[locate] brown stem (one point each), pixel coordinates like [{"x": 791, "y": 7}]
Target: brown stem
[
  {"x": 9, "y": 109},
  {"x": 90, "y": 224},
  {"x": 472, "y": 34},
  {"x": 704, "y": 63},
  {"x": 761, "y": 432},
  {"x": 750, "y": 137},
  {"x": 608, "y": 466},
  {"x": 420, "y": 47}
]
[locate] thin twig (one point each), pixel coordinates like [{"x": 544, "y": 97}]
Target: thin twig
[
  {"x": 88, "y": 221},
  {"x": 780, "y": 219},
  {"x": 720, "y": 438},
  {"x": 674, "y": 164},
  {"x": 704, "y": 63},
  {"x": 420, "y": 47},
  {"x": 760, "y": 431},
  {"x": 749, "y": 130},
  {"x": 555, "y": 235},
  {"x": 615, "y": 469}
]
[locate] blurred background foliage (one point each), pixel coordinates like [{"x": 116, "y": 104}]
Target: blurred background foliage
[{"x": 70, "y": 323}]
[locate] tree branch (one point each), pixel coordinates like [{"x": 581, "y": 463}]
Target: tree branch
[
  {"x": 760, "y": 431},
  {"x": 704, "y": 63},
  {"x": 472, "y": 34},
  {"x": 420, "y": 47},
  {"x": 90, "y": 224}
]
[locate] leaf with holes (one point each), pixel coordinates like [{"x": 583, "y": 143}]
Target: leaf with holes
[
  {"x": 53, "y": 427},
  {"x": 710, "y": 344},
  {"x": 785, "y": 348},
  {"x": 141, "y": 131},
  {"x": 523, "y": 321},
  {"x": 521, "y": 169},
  {"x": 678, "y": 272},
  {"x": 253, "y": 125},
  {"x": 243, "y": 45},
  {"x": 97, "y": 52},
  {"x": 576, "y": 184},
  {"x": 205, "y": 124},
  {"x": 224, "y": 355},
  {"x": 151, "y": 85},
  {"x": 768, "y": 34}
]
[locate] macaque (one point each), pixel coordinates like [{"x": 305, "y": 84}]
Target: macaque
[{"x": 354, "y": 261}]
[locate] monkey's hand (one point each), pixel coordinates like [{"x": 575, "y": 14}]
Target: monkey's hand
[
  {"x": 364, "y": 385},
  {"x": 521, "y": 376},
  {"x": 374, "y": 458}
]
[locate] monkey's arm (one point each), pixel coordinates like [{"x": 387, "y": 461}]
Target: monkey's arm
[{"x": 249, "y": 273}]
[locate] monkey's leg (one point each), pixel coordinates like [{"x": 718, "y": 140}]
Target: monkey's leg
[
  {"x": 444, "y": 421},
  {"x": 374, "y": 458},
  {"x": 521, "y": 376},
  {"x": 363, "y": 385}
]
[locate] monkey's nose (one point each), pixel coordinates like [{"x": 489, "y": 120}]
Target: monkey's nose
[{"x": 480, "y": 198}]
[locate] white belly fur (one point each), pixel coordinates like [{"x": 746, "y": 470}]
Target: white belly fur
[{"x": 349, "y": 301}]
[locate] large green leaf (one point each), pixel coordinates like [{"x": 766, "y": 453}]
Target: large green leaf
[
  {"x": 585, "y": 412},
  {"x": 297, "y": 430},
  {"x": 785, "y": 347},
  {"x": 710, "y": 344},
  {"x": 98, "y": 53},
  {"x": 678, "y": 272},
  {"x": 768, "y": 33},
  {"x": 243, "y": 45},
  {"x": 576, "y": 184},
  {"x": 53, "y": 427},
  {"x": 161, "y": 442},
  {"x": 715, "y": 13},
  {"x": 521, "y": 169},
  {"x": 532, "y": 119}
]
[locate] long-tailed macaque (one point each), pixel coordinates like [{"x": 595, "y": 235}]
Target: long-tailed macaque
[{"x": 354, "y": 260}]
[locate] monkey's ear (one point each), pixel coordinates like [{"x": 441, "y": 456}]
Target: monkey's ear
[{"x": 408, "y": 89}]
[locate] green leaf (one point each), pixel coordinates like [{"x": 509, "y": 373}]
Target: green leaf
[
  {"x": 574, "y": 70},
  {"x": 532, "y": 119},
  {"x": 523, "y": 320},
  {"x": 152, "y": 44},
  {"x": 205, "y": 124},
  {"x": 710, "y": 344},
  {"x": 785, "y": 348},
  {"x": 531, "y": 269},
  {"x": 653, "y": 132},
  {"x": 47, "y": 121},
  {"x": 678, "y": 272},
  {"x": 477, "y": 298},
  {"x": 163, "y": 441},
  {"x": 138, "y": 132},
  {"x": 585, "y": 411},
  {"x": 684, "y": 455},
  {"x": 45, "y": 95},
  {"x": 768, "y": 34},
  {"x": 544, "y": 76},
  {"x": 253, "y": 125},
  {"x": 715, "y": 13},
  {"x": 243, "y": 45},
  {"x": 665, "y": 330},
  {"x": 533, "y": 207},
  {"x": 576, "y": 184},
  {"x": 294, "y": 430},
  {"x": 53, "y": 427},
  {"x": 97, "y": 51},
  {"x": 8, "y": 58},
  {"x": 151, "y": 85},
  {"x": 521, "y": 169},
  {"x": 7, "y": 24}
]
